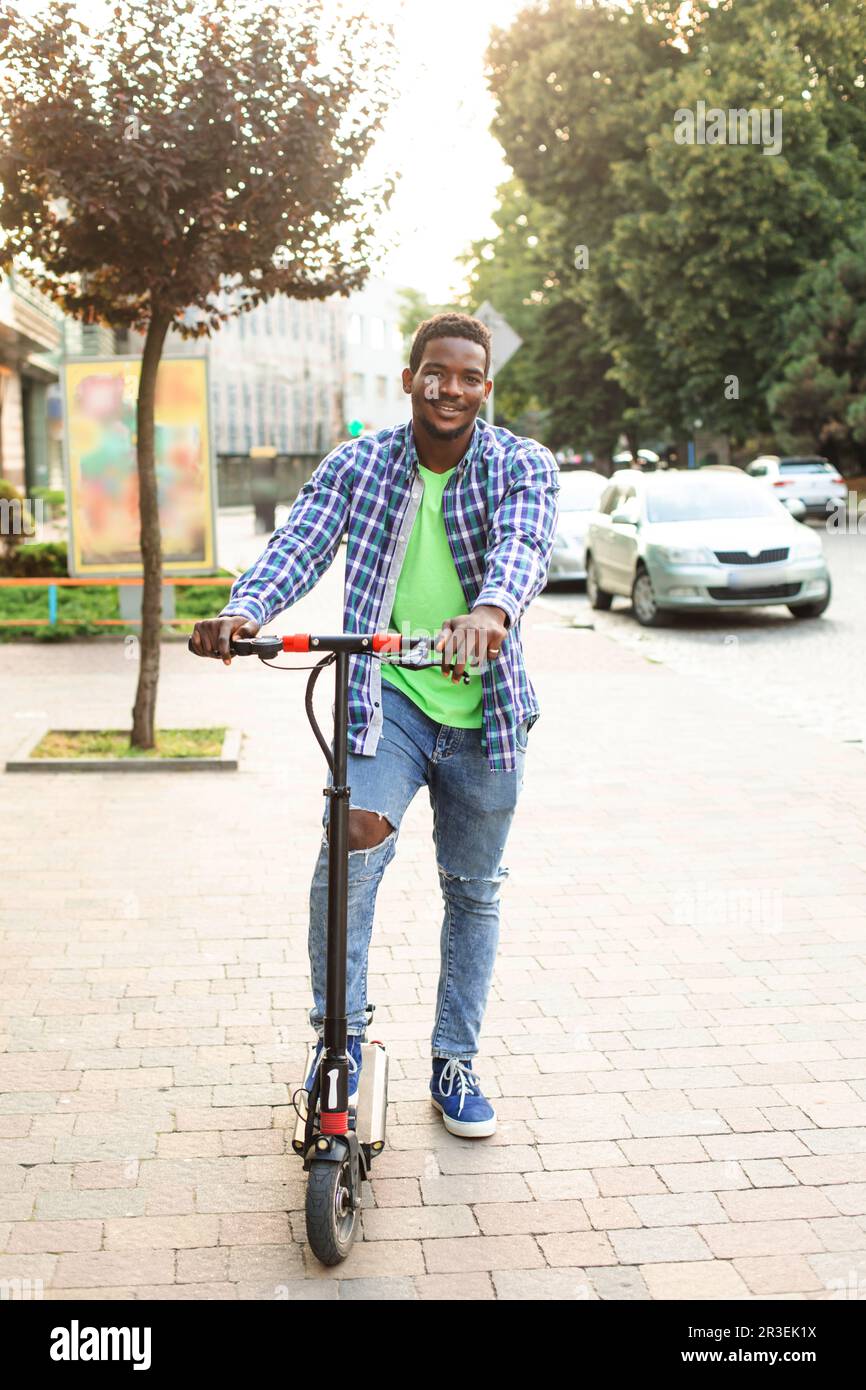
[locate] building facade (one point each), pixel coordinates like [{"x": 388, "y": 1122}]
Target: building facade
[
  {"x": 277, "y": 377},
  {"x": 288, "y": 379},
  {"x": 31, "y": 339},
  {"x": 375, "y": 358}
]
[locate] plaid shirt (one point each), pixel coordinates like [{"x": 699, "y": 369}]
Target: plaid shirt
[{"x": 500, "y": 509}]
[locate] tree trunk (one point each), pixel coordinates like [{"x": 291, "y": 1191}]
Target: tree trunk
[{"x": 144, "y": 709}]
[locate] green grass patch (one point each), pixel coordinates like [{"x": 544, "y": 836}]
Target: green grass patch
[{"x": 114, "y": 743}]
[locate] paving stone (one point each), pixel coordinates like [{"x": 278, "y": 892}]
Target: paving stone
[
  {"x": 530, "y": 1218},
  {"x": 730, "y": 1239},
  {"x": 713, "y": 1279},
  {"x": 777, "y": 1274},
  {"x": 482, "y": 1252},
  {"x": 415, "y": 1223},
  {"x": 559, "y": 1285},
  {"x": 682, "y": 1114},
  {"x": 453, "y": 1287},
  {"x": 661, "y": 1244}
]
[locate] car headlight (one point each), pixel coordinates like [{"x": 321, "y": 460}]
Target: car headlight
[
  {"x": 806, "y": 550},
  {"x": 684, "y": 555}
]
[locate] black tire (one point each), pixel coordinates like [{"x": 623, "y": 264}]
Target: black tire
[
  {"x": 598, "y": 598},
  {"x": 644, "y": 606},
  {"x": 330, "y": 1234},
  {"x": 812, "y": 610}
]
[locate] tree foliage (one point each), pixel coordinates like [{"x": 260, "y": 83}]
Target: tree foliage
[
  {"x": 695, "y": 252},
  {"x": 184, "y": 146},
  {"x": 821, "y": 394},
  {"x": 179, "y": 166}
]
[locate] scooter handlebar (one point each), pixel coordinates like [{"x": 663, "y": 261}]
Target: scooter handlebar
[{"x": 269, "y": 646}]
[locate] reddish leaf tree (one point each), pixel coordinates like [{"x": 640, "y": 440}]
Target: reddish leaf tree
[{"x": 178, "y": 167}]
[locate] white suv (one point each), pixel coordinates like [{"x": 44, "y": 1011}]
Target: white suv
[{"x": 809, "y": 479}]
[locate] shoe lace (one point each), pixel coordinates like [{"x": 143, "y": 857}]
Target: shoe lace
[{"x": 459, "y": 1072}]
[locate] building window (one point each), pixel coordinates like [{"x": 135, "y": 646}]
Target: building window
[
  {"x": 377, "y": 333},
  {"x": 358, "y": 384},
  {"x": 354, "y": 333},
  {"x": 381, "y": 387}
]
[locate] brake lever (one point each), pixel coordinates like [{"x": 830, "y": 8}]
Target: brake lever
[{"x": 423, "y": 666}]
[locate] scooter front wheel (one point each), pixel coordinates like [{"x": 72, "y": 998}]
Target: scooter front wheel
[{"x": 332, "y": 1218}]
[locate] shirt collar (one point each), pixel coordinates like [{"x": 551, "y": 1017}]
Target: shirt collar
[{"x": 473, "y": 449}]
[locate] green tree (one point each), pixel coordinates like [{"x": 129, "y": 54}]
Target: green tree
[
  {"x": 713, "y": 238},
  {"x": 415, "y": 307},
  {"x": 819, "y": 402},
  {"x": 694, "y": 250},
  {"x": 508, "y": 270},
  {"x": 180, "y": 166},
  {"x": 569, "y": 82}
]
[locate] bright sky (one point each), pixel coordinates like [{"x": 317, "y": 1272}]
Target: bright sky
[
  {"x": 436, "y": 134},
  {"x": 438, "y": 137}
]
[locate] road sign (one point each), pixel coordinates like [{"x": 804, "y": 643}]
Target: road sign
[{"x": 504, "y": 341}]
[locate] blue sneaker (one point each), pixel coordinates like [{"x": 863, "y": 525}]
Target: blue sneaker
[
  {"x": 353, "y": 1048},
  {"x": 456, "y": 1093}
]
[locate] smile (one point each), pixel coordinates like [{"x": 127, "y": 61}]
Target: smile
[{"x": 448, "y": 410}]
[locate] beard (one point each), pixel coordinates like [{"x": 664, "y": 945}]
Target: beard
[{"x": 439, "y": 432}]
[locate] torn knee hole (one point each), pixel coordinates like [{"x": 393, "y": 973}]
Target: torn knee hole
[
  {"x": 467, "y": 878},
  {"x": 367, "y": 829}
]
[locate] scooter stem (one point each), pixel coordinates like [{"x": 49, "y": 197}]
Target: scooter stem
[{"x": 334, "y": 1101}]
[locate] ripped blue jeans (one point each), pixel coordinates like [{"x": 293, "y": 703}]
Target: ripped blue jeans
[{"x": 472, "y": 812}]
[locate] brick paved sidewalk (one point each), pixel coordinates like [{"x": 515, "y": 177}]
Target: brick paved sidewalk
[{"x": 675, "y": 1040}]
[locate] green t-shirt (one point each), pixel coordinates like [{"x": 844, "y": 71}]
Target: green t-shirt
[{"x": 429, "y": 591}]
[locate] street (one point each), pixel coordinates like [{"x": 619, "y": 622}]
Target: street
[
  {"x": 674, "y": 1037},
  {"x": 811, "y": 672}
]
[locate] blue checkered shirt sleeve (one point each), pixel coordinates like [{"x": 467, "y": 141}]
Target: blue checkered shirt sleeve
[{"x": 299, "y": 553}]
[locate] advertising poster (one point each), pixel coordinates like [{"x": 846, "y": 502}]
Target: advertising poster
[{"x": 102, "y": 475}]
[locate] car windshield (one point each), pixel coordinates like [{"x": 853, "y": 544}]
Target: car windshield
[
  {"x": 705, "y": 499},
  {"x": 579, "y": 492},
  {"x": 805, "y": 466}
]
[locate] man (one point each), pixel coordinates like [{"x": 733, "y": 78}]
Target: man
[{"x": 450, "y": 528}]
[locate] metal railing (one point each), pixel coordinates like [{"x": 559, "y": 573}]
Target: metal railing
[{"x": 52, "y": 585}]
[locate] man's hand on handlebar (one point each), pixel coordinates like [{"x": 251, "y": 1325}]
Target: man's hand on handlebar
[
  {"x": 211, "y": 636},
  {"x": 471, "y": 638}
]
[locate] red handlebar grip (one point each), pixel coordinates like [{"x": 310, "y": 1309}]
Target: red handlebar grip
[
  {"x": 296, "y": 642},
  {"x": 387, "y": 642}
]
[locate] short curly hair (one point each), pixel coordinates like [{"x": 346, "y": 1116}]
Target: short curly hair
[{"x": 449, "y": 326}]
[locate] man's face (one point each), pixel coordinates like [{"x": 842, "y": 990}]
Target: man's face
[{"x": 448, "y": 388}]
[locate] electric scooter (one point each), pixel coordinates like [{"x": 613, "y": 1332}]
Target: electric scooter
[{"x": 337, "y": 1143}]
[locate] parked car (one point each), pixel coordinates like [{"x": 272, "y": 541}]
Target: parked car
[
  {"x": 579, "y": 494},
  {"x": 810, "y": 480},
  {"x": 693, "y": 540},
  {"x": 645, "y": 458}
]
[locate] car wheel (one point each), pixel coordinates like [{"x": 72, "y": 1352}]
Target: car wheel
[
  {"x": 598, "y": 597},
  {"x": 643, "y": 601},
  {"x": 812, "y": 610}
]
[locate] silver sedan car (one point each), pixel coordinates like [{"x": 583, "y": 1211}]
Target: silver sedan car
[
  {"x": 687, "y": 540},
  {"x": 579, "y": 494}
]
